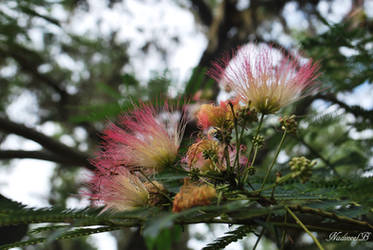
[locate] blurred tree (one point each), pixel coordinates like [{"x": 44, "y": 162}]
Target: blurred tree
[{"x": 80, "y": 80}]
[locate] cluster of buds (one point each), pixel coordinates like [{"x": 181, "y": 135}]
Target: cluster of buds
[
  {"x": 209, "y": 155},
  {"x": 203, "y": 155},
  {"x": 258, "y": 141},
  {"x": 301, "y": 167},
  {"x": 246, "y": 115},
  {"x": 289, "y": 124}
]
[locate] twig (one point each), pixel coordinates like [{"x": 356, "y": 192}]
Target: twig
[
  {"x": 305, "y": 228},
  {"x": 274, "y": 159}
]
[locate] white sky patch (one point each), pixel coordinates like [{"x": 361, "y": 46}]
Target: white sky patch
[
  {"x": 362, "y": 96},
  {"x": 103, "y": 241},
  {"x": 15, "y": 142},
  {"x": 361, "y": 135},
  {"x": 27, "y": 181},
  {"x": 148, "y": 26},
  {"x": 336, "y": 11},
  {"x": 294, "y": 17},
  {"x": 23, "y": 109}
]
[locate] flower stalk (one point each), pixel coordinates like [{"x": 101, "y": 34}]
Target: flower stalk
[
  {"x": 253, "y": 147},
  {"x": 274, "y": 160}
]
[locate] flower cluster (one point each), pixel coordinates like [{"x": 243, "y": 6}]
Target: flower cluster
[{"x": 146, "y": 141}]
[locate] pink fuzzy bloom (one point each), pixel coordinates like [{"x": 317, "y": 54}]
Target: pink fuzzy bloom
[
  {"x": 217, "y": 116},
  {"x": 260, "y": 76},
  {"x": 118, "y": 191},
  {"x": 144, "y": 139}
]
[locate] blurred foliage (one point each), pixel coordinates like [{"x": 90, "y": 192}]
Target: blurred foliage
[{"x": 78, "y": 81}]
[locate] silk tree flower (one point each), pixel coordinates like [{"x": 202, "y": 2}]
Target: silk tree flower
[
  {"x": 261, "y": 77},
  {"x": 211, "y": 115},
  {"x": 143, "y": 139},
  {"x": 119, "y": 190}
]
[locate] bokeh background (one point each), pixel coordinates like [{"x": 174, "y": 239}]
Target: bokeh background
[{"x": 68, "y": 66}]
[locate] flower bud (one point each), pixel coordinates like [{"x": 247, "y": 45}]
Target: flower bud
[
  {"x": 301, "y": 167},
  {"x": 192, "y": 195},
  {"x": 289, "y": 124}
]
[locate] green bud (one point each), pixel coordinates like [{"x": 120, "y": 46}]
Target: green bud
[
  {"x": 251, "y": 170},
  {"x": 301, "y": 167},
  {"x": 289, "y": 124},
  {"x": 258, "y": 141}
]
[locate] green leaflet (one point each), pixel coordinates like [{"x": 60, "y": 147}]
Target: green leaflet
[
  {"x": 229, "y": 237},
  {"x": 80, "y": 232},
  {"x": 154, "y": 226}
]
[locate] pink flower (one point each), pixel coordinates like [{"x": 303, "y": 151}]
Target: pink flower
[
  {"x": 119, "y": 190},
  {"x": 260, "y": 76},
  {"x": 217, "y": 116},
  {"x": 144, "y": 139}
]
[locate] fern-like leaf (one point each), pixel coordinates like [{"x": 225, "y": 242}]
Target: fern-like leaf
[
  {"x": 80, "y": 232},
  {"x": 228, "y": 238}
]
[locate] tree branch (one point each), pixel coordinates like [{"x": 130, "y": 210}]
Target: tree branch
[
  {"x": 56, "y": 147},
  {"x": 203, "y": 11},
  {"x": 37, "y": 154}
]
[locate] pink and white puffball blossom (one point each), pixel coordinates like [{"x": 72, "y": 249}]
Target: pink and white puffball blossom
[
  {"x": 118, "y": 191},
  {"x": 143, "y": 140},
  {"x": 265, "y": 78}
]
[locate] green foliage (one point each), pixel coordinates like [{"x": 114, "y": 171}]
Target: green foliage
[
  {"x": 343, "y": 71},
  {"x": 165, "y": 239},
  {"x": 229, "y": 237},
  {"x": 66, "y": 235}
]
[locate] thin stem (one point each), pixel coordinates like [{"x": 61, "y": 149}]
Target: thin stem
[
  {"x": 332, "y": 216},
  {"x": 299, "y": 222},
  {"x": 284, "y": 233},
  {"x": 274, "y": 159},
  {"x": 252, "y": 164},
  {"x": 227, "y": 158},
  {"x": 257, "y": 132},
  {"x": 273, "y": 192},
  {"x": 199, "y": 175},
  {"x": 273, "y": 189},
  {"x": 262, "y": 232},
  {"x": 246, "y": 171},
  {"x": 254, "y": 157},
  {"x": 242, "y": 131},
  {"x": 281, "y": 180},
  {"x": 159, "y": 190},
  {"x": 236, "y": 160}
]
